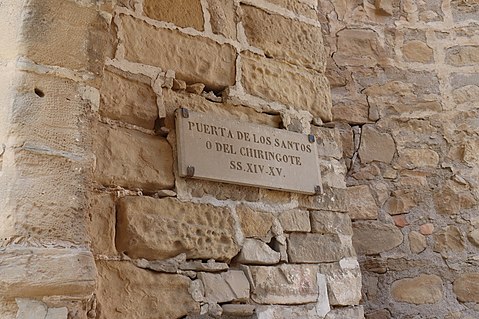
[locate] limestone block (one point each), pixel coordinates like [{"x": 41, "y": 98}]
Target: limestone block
[
  {"x": 357, "y": 47},
  {"x": 132, "y": 159},
  {"x": 225, "y": 287},
  {"x": 183, "y": 13},
  {"x": 473, "y": 237},
  {"x": 31, "y": 309},
  {"x": 333, "y": 199},
  {"x": 327, "y": 222},
  {"x": 304, "y": 8},
  {"x": 411, "y": 158},
  {"x": 424, "y": 289},
  {"x": 64, "y": 34},
  {"x": 418, "y": 51},
  {"x": 374, "y": 237},
  {"x": 329, "y": 142},
  {"x": 295, "y": 221},
  {"x": 351, "y": 112},
  {"x": 194, "y": 59},
  {"x": 238, "y": 310},
  {"x": 256, "y": 252},
  {"x": 129, "y": 292},
  {"x": 300, "y": 43},
  {"x": 315, "y": 247},
  {"x": 462, "y": 55},
  {"x": 57, "y": 313},
  {"x": 349, "y": 313},
  {"x": 417, "y": 242},
  {"x": 101, "y": 224},
  {"x": 361, "y": 204},
  {"x": 284, "y": 284},
  {"x": 376, "y": 146},
  {"x": 128, "y": 101},
  {"x": 290, "y": 85},
  {"x": 223, "y": 17},
  {"x": 449, "y": 241},
  {"x": 344, "y": 282},
  {"x": 163, "y": 228},
  {"x": 255, "y": 224},
  {"x": 56, "y": 272},
  {"x": 466, "y": 287},
  {"x": 466, "y": 94}
]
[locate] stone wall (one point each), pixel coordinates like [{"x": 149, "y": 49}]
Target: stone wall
[{"x": 405, "y": 85}]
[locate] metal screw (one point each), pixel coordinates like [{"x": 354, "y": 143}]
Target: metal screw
[
  {"x": 190, "y": 171},
  {"x": 318, "y": 189},
  {"x": 185, "y": 113},
  {"x": 311, "y": 138}
]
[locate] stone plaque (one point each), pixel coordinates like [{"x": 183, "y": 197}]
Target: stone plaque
[{"x": 218, "y": 149}]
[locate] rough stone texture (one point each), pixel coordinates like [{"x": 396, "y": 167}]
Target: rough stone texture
[
  {"x": 349, "y": 313},
  {"x": 361, "y": 204},
  {"x": 132, "y": 159},
  {"x": 183, "y": 13},
  {"x": 285, "y": 284},
  {"x": 223, "y": 17},
  {"x": 314, "y": 248},
  {"x": 463, "y": 55},
  {"x": 127, "y": 291},
  {"x": 374, "y": 237},
  {"x": 194, "y": 59},
  {"x": 101, "y": 222},
  {"x": 305, "y": 8},
  {"x": 225, "y": 287},
  {"x": 417, "y": 51},
  {"x": 326, "y": 222},
  {"x": 301, "y": 43},
  {"x": 255, "y": 224},
  {"x": 163, "y": 228},
  {"x": 448, "y": 241},
  {"x": 424, "y": 289},
  {"x": 417, "y": 242},
  {"x": 357, "y": 47},
  {"x": 301, "y": 88},
  {"x": 256, "y": 252},
  {"x": 376, "y": 146},
  {"x": 344, "y": 282},
  {"x": 295, "y": 221},
  {"x": 466, "y": 287}
]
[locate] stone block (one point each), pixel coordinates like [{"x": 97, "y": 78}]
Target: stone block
[
  {"x": 128, "y": 101},
  {"x": 357, "y": 47},
  {"x": 238, "y": 310},
  {"x": 256, "y": 252},
  {"x": 183, "y": 13},
  {"x": 304, "y": 89},
  {"x": 304, "y": 8},
  {"x": 463, "y": 55},
  {"x": 333, "y": 199},
  {"x": 296, "y": 220},
  {"x": 423, "y": 289},
  {"x": 449, "y": 241},
  {"x": 194, "y": 59},
  {"x": 418, "y": 51},
  {"x": 466, "y": 287},
  {"x": 318, "y": 248},
  {"x": 225, "y": 287},
  {"x": 132, "y": 159},
  {"x": 284, "y": 284},
  {"x": 344, "y": 282},
  {"x": 129, "y": 292},
  {"x": 223, "y": 17},
  {"x": 68, "y": 272},
  {"x": 255, "y": 224},
  {"x": 300, "y": 43},
  {"x": 346, "y": 313},
  {"x": 351, "y": 112},
  {"x": 163, "y": 228},
  {"x": 329, "y": 142},
  {"x": 327, "y": 222},
  {"x": 361, "y": 203},
  {"x": 417, "y": 242},
  {"x": 411, "y": 158},
  {"x": 376, "y": 146},
  {"x": 101, "y": 224},
  {"x": 374, "y": 237}
]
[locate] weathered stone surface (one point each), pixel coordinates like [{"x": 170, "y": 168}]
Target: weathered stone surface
[
  {"x": 225, "y": 287},
  {"x": 183, "y": 13},
  {"x": 417, "y": 51},
  {"x": 463, "y": 55},
  {"x": 346, "y": 313},
  {"x": 424, "y": 289},
  {"x": 285, "y": 284},
  {"x": 238, "y": 310},
  {"x": 344, "y": 282},
  {"x": 295, "y": 221},
  {"x": 194, "y": 59},
  {"x": 426, "y": 229},
  {"x": 101, "y": 224},
  {"x": 256, "y": 252},
  {"x": 373, "y": 237},
  {"x": 466, "y": 287},
  {"x": 223, "y": 17},
  {"x": 290, "y": 85},
  {"x": 361, "y": 203},
  {"x": 314, "y": 248},
  {"x": 163, "y": 228},
  {"x": 466, "y": 94},
  {"x": 255, "y": 224},
  {"x": 305, "y": 8},
  {"x": 56, "y": 272},
  {"x": 301, "y": 43},
  {"x": 145, "y": 290},
  {"x": 449, "y": 241},
  {"x": 329, "y": 141},
  {"x": 326, "y": 222},
  {"x": 128, "y": 101},
  {"x": 352, "y": 112},
  {"x": 376, "y": 146},
  {"x": 132, "y": 159},
  {"x": 357, "y": 47},
  {"x": 473, "y": 237},
  {"x": 417, "y": 242},
  {"x": 411, "y": 158},
  {"x": 31, "y": 309}
]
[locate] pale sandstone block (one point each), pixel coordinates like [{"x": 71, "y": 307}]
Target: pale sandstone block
[
  {"x": 344, "y": 283},
  {"x": 466, "y": 287},
  {"x": 417, "y": 242},
  {"x": 463, "y": 55},
  {"x": 304, "y": 8},
  {"x": 304, "y": 89},
  {"x": 295, "y": 221},
  {"x": 374, "y": 237},
  {"x": 225, "y": 287},
  {"x": 285, "y": 284},
  {"x": 417, "y": 157},
  {"x": 256, "y": 252},
  {"x": 255, "y": 224},
  {"x": 376, "y": 146},
  {"x": 163, "y": 228},
  {"x": 357, "y": 47},
  {"x": 316, "y": 248},
  {"x": 349, "y": 313},
  {"x": 449, "y": 241},
  {"x": 132, "y": 159},
  {"x": 284, "y": 39},
  {"x": 128, "y": 101},
  {"x": 101, "y": 224},
  {"x": 361, "y": 203},
  {"x": 326, "y": 222},
  {"x": 194, "y": 59},
  {"x": 417, "y": 51},
  {"x": 238, "y": 310},
  {"x": 329, "y": 141},
  {"x": 183, "y": 13},
  {"x": 223, "y": 17},
  {"x": 352, "y": 112},
  {"x": 424, "y": 289},
  {"x": 125, "y": 291}
]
